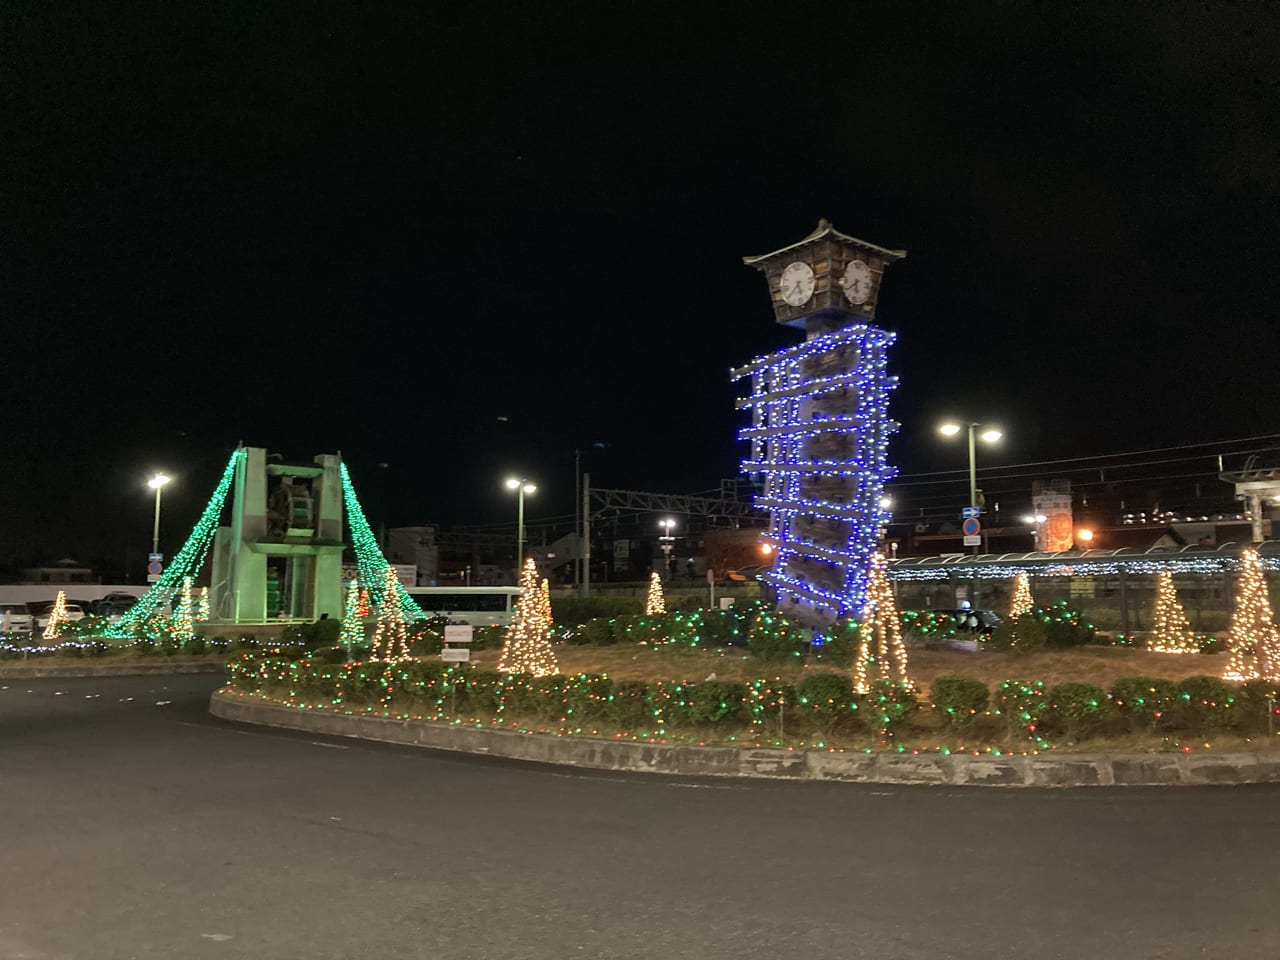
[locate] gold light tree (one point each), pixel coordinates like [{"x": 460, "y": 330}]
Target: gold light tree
[
  {"x": 655, "y": 602},
  {"x": 390, "y": 636},
  {"x": 57, "y": 617},
  {"x": 352, "y": 622},
  {"x": 202, "y": 606},
  {"x": 1254, "y": 641},
  {"x": 183, "y": 617},
  {"x": 880, "y": 628},
  {"x": 544, "y": 604},
  {"x": 1022, "y": 602},
  {"x": 526, "y": 648},
  {"x": 1170, "y": 631}
]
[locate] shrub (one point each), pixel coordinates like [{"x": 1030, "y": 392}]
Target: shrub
[
  {"x": 640, "y": 628},
  {"x": 322, "y": 633},
  {"x": 770, "y": 702},
  {"x": 1021, "y": 703},
  {"x": 1202, "y": 704},
  {"x": 194, "y": 646},
  {"x": 1076, "y": 709},
  {"x": 960, "y": 699},
  {"x": 1254, "y": 701},
  {"x": 588, "y": 698},
  {"x": 597, "y": 633},
  {"x": 715, "y": 701},
  {"x": 888, "y": 706},
  {"x": 928, "y": 624},
  {"x": 1024, "y": 634},
  {"x": 1143, "y": 702},
  {"x": 826, "y": 700},
  {"x": 838, "y": 645},
  {"x": 328, "y": 655},
  {"x": 546, "y": 696},
  {"x": 481, "y": 691},
  {"x": 771, "y": 637},
  {"x": 629, "y": 707},
  {"x": 573, "y": 611},
  {"x": 720, "y": 628},
  {"x": 1065, "y": 627}
]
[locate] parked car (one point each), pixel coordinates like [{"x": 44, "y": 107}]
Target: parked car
[
  {"x": 74, "y": 613},
  {"x": 15, "y": 618},
  {"x": 112, "y": 606},
  {"x": 975, "y": 621}
]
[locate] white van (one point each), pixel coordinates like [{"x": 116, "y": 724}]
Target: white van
[{"x": 16, "y": 618}]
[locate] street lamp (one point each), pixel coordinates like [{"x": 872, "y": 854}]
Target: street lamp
[
  {"x": 157, "y": 483},
  {"x": 521, "y": 486},
  {"x": 667, "y": 541},
  {"x": 989, "y": 435},
  {"x": 1035, "y": 520}
]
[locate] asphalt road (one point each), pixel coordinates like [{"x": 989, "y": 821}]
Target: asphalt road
[{"x": 134, "y": 825}]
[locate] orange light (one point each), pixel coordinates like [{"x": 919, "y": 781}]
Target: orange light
[
  {"x": 1085, "y": 535},
  {"x": 766, "y": 548}
]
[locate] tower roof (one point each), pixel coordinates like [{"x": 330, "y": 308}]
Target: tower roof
[{"x": 822, "y": 231}]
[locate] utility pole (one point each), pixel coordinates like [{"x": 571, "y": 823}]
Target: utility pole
[
  {"x": 577, "y": 518},
  {"x": 585, "y": 589}
]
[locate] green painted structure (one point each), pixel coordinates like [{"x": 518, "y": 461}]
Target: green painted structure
[{"x": 281, "y": 558}]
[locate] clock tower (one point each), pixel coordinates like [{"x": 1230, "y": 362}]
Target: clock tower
[{"x": 820, "y": 429}]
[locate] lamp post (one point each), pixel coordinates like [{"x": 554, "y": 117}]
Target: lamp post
[
  {"x": 667, "y": 541},
  {"x": 521, "y": 486},
  {"x": 989, "y": 435},
  {"x": 157, "y": 483},
  {"x": 1035, "y": 520}
]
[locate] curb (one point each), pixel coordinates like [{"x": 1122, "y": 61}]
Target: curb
[
  {"x": 1061, "y": 770},
  {"x": 34, "y": 671}
]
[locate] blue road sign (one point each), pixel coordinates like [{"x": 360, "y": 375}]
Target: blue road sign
[
  {"x": 967, "y": 513},
  {"x": 155, "y": 557},
  {"x": 971, "y": 527}
]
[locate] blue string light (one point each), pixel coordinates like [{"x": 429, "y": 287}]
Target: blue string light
[{"x": 825, "y": 506}]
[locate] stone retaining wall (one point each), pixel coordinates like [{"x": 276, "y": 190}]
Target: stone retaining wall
[
  {"x": 1044, "y": 770},
  {"x": 18, "y": 670}
]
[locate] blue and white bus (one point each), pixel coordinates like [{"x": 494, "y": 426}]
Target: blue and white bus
[{"x": 478, "y": 606}]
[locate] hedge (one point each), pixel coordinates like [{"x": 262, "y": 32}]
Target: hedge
[{"x": 822, "y": 706}]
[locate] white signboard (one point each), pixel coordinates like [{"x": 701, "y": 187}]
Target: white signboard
[
  {"x": 457, "y": 633},
  {"x": 460, "y": 655}
]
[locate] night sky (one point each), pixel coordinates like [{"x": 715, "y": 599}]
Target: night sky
[{"x": 462, "y": 239}]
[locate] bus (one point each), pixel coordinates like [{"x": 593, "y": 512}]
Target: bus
[{"x": 478, "y": 606}]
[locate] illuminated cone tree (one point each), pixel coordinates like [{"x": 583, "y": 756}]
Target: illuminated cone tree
[
  {"x": 390, "y": 636},
  {"x": 655, "y": 602},
  {"x": 202, "y": 606},
  {"x": 526, "y": 648},
  {"x": 1254, "y": 641},
  {"x": 1022, "y": 601},
  {"x": 57, "y": 617},
  {"x": 184, "y": 616},
  {"x": 881, "y": 653},
  {"x": 544, "y": 604},
  {"x": 352, "y": 622},
  {"x": 363, "y": 607},
  {"x": 1170, "y": 631}
]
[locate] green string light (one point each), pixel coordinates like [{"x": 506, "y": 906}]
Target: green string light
[
  {"x": 187, "y": 563},
  {"x": 373, "y": 565}
]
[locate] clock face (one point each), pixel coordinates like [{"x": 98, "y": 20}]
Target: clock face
[
  {"x": 797, "y": 283},
  {"x": 857, "y": 282}
]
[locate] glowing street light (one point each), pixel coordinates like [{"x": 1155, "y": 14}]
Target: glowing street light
[
  {"x": 157, "y": 483},
  {"x": 522, "y": 486},
  {"x": 989, "y": 435},
  {"x": 1035, "y": 519}
]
